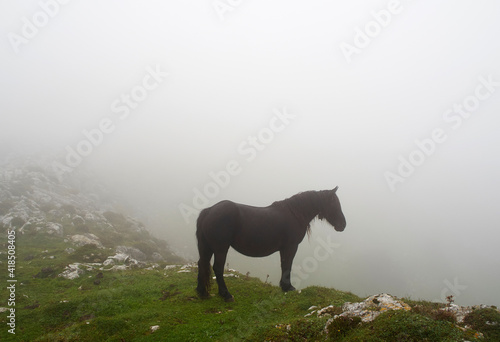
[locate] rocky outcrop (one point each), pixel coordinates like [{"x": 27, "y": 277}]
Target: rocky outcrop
[
  {"x": 367, "y": 310},
  {"x": 54, "y": 229},
  {"x": 85, "y": 239},
  {"x": 374, "y": 306}
]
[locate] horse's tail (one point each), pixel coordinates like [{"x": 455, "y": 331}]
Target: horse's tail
[{"x": 204, "y": 270}]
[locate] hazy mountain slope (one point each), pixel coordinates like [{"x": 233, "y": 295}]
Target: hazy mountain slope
[{"x": 75, "y": 209}]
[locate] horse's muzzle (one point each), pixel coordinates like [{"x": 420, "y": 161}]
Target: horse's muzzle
[{"x": 339, "y": 228}]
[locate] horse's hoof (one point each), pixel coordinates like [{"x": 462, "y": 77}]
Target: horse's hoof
[
  {"x": 229, "y": 299},
  {"x": 289, "y": 289}
]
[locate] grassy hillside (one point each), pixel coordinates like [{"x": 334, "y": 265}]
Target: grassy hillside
[{"x": 125, "y": 305}]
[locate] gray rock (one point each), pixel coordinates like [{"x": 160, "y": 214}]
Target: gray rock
[
  {"x": 120, "y": 257},
  {"x": 367, "y": 310},
  {"x": 108, "y": 262},
  {"x": 86, "y": 239},
  {"x": 54, "y": 229},
  {"x": 77, "y": 220},
  {"x": 72, "y": 271},
  {"x": 133, "y": 252},
  {"x": 157, "y": 257}
]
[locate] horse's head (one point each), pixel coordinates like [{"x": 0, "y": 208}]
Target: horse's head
[{"x": 331, "y": 210}]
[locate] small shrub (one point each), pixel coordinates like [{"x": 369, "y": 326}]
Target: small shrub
[
  {"x": 434, "y": 311},
  {"x": 46, "y": 272},
  {"x": 442, "y": 315},
  {"x": 486, "y": 321}
]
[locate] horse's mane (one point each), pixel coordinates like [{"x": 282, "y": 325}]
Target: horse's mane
[{"x": 304, "y": 206}]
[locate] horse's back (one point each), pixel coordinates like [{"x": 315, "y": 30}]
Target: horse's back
[
  {"x": 253, "y": 231},
  {"x": 217, "y": 223}
]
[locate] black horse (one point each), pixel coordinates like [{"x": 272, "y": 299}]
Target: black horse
[{"x": 260, "y": 231}]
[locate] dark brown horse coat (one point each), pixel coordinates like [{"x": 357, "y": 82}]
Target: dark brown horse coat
[{"x": 260, "y": 231}]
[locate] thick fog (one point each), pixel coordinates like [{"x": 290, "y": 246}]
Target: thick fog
[{"x": 180, "y": 104}]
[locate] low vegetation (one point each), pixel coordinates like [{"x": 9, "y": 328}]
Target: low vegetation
[{"x": 160, "y": 304}]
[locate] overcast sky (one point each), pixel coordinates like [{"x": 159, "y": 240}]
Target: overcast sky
[{"x": 396, "y": 102}]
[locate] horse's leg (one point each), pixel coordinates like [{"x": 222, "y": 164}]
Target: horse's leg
[
  {"x": 204, "y": 271},
  {"x": 287, "y": 254},
  {"x": 219, "y": 262}
]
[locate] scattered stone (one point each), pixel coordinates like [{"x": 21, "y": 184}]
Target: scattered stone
[
  {"x": 168, "y": 267},
  {"x": 152, "y": 267},
  {"x": 108, "y": 262},
  {"x": 54, "y": 229},
  {"x": 86, "y": 239},
  {"x": 72, "y": 271},
  {"x": 226, "y": 275},
  {"x": 120, "y": 257},
  {"x": 133, "y": 252},
  {"x": 136, "y": 264},
  {"x": 187, "y": 268}
]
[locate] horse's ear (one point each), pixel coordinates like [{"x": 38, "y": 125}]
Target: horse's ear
[{"x": 335, "y": 190}]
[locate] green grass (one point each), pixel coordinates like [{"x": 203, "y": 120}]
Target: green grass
[
  {"x": 126, "y": 304},
  {"x": 122, "y": 306}
]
